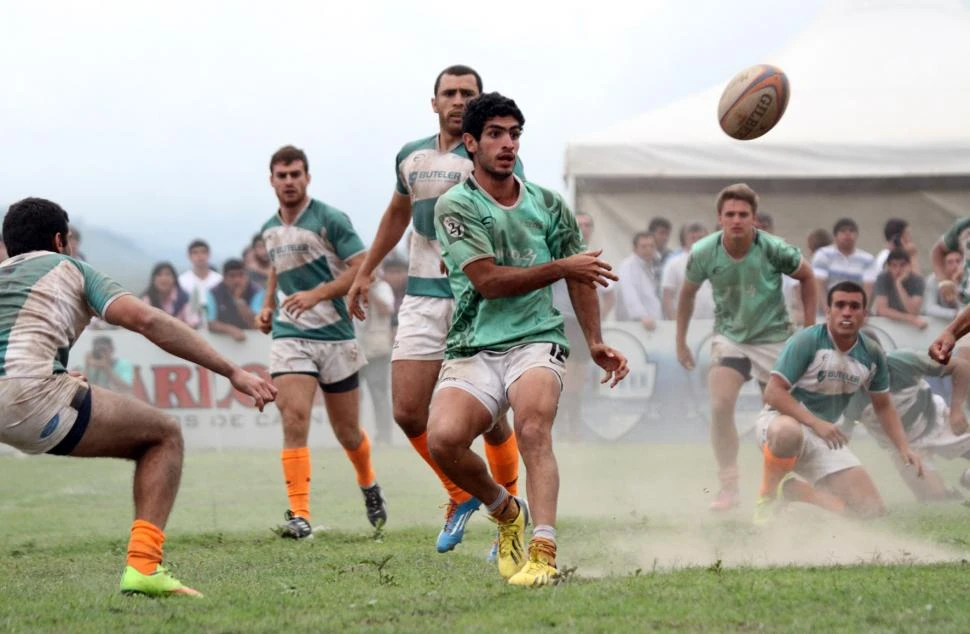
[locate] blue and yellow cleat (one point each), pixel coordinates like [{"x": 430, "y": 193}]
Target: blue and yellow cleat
[
  {"x": 158, "y": 584},
  {"x": 456, "y": 516}
]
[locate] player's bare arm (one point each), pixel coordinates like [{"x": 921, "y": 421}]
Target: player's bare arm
[
  {"x": 264, "y": 319},
  {"x": 882, "y": 405},
  {"x": 174, "y": 337},
  {"x": 778, "y": 396},
  {"x": 391, "y": 229},
  {"x": 942, "y": 347},
  {"x": 494, "y": 281},
  {"x": 807, "y": 290},
  {"x": 302, "y": 301},
  {"x": 685, "y": 310},
  {"x": 585, "y": 302},
  {"x": 959, "y": 370}
]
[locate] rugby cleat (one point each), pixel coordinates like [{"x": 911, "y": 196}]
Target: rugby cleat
[
  {"x": 766, "y": 509},
  {"x": 295, "y": 527},
  {"x": 511, "y": 541},
  {"x": 158, "y": 584},
  {"x": 376, "y": 506},
  {"x": 540, "y": 570},
  {"x": 726, "y": 500},
  {"x": 456, "y": 516}
]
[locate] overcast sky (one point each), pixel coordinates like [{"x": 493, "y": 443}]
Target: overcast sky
[{"x": 157, "y": 119}]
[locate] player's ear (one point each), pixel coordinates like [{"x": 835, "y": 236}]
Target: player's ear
[
  {"x": 61, "y": 244},
  {"x": 470, "y": 143},
  {"x": 434, "y": 105}
]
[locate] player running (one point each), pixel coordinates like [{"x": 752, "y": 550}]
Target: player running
[
  {"x": 314, "y": 254},
  {"x": 505, "y": 242},
  {"x": 818, "y": 372},
  {"x": 46, "y": 300},
  {"x": 932, "y": 428},
  {"x": 426, "y": 169},
  {"x": 746, "y": 268}
]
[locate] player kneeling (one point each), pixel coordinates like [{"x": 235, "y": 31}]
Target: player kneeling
[
  {"x": 817, "y": 373},
  {"x": 932, "y": 428}
]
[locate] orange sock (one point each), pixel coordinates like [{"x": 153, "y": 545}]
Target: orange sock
[
  {"x": 145, "y": 547},
  {"x": 360, "y": 458},
  {"x": 774, "y": 470},
  {"x": 296, "y": 471},
  {"x": 801, "y": 491},
  {"x": 503, "y": 462},
  {"x": 455, "y": 493}
]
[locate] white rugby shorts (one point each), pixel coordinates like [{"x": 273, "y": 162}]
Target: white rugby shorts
[
  {"x": 37, "y": 413},
  {"x": 422, "y": 328},
  {"x": 329, "y": 361},
  {"x": 488, "y": 375},
  {"x": 815, "y": 460}
]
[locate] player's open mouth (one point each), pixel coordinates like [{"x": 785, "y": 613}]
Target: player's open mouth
[{"x": 846, "y": 322}]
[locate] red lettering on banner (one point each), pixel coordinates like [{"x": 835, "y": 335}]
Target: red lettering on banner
[
  {"x": 205, "y": 387},
  {"x": 173, "y": 381}
]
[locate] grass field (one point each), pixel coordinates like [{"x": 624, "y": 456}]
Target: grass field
[{"x": 645, "y": 553}]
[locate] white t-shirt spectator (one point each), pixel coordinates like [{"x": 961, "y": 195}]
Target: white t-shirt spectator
[
  {"x": 636, "y": 291},
  {"x": 675, "y": 272},
  {"x": 198, "y": 290},
  {"x": 832, "y": 267}
]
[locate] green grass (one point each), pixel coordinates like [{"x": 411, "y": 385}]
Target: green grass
[{"x": 645, "y": 552}]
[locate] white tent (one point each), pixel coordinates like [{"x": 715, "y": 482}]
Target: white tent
[{"x": 878, "y": 125}]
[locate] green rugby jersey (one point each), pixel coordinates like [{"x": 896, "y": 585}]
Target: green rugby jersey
[
  {"x": 823, "y": 378},
  {"x": 472, "y": 225},
  {"x": 46, "y": 300},
  {"x": 957, "y": 238},
  {"x": 911, "y": 395},
  {"x": 749, "y": 306},
  {"x": 424, "y": 174},
  {"x": 311, "y": 251}
]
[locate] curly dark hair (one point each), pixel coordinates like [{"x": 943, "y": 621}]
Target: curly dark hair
[
  {"x": 487, "y": 106},
  {"x": 31, "y": 224}
]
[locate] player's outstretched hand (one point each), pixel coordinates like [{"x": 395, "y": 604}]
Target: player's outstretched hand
[
  {"x": 357, "y": 296},
  {"x": 941, "y": 349},
  {"x": 831, "y": 434},
  {"x": 612, "y": 361},
  {"x": 264, "y": 320},
  {"x": 260, "y": 390},
  {"x": 589, "y": 269},
  {"x": 301, "y": 301},
  {"x": 910, "y": 457},
  {"x": 685, "y": 356}
]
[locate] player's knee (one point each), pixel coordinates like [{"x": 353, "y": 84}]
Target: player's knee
[
  {"x": 784, "y": 437},
  {"x": 170, "y": 434},
  {"x": 533, "y": 433},
  {"x": 723, "y": 404},
  {"x": 412, "y": 420}
]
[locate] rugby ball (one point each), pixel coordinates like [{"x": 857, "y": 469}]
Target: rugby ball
[{"x": 753, "y": 102}]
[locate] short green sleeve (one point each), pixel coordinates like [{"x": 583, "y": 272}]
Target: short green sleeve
[
  {"x": 797, "y": 355},
  {"x": 880, "y": 378},
  {"x": 565, "y": 238},
  {"x": 463, "y": 234},
  {"x": 783, "y": 256},
  {"x": 951, "y": 239},
  {"x": 342, "y": 235},
  {"x": 99, "y": 289}
]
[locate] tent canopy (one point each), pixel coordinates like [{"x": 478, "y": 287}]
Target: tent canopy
[{"x": 877, "y": 126}]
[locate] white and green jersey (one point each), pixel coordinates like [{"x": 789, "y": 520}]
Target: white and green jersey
[
  {"x": 957, "y": 238},
  {"x": 823, "y": 378},
  {"x": 912, "y": 396},
  {"x": 424, "y": 173},
  {"x": 311, "y": 251},
  {"x": 749, "y": 304},
  {"x": 46, "y": 300},
  {"x": 472, "y": 225}
]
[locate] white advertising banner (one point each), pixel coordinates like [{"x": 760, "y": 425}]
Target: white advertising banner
[{"x": 659, "y": 401}]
